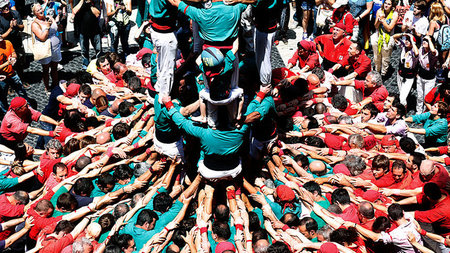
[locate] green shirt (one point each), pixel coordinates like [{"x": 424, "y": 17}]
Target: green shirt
[
  {"x": 54, "y": 199},
  {"x": 435, "y": 130},
  {"x": 320, "y": 222},
  {"x": 6, "y": 182}
]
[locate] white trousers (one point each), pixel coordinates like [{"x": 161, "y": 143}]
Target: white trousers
[
  {"x": 212, "y": 106},
  {"x": 263, "y": 48},
  {"x": 166, "y": 46},
  {"x": 423, "y": 87},
  {"x": 404, "y": 86},
  {"x": 216, "y": 174},
  {"x": 171, "y": 150},
  {"x": 383, "y": 58}
]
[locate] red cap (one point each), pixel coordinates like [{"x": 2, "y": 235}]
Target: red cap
[
  {"x": 285, "y": 193},
  {"x": 369, "y": 142},
  {"x": 17, "y": 102},
  {"x": 328, "y": 247},
  {"x": 72, "y": 90},
  {"x": 224, "y": 246},
  {"x": 143, "y": 51},
  {"x": 341, "y": 168},
  {"x": 340, "y": 25},
  {"x": 308, "y": 45},
  {"x": 371, "y": 195},
  {"x": 388, "y": 140}
]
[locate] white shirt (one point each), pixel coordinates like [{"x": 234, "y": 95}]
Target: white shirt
[
  {"x": 420, "y": 25},
  {"x": 399, "y": 236}
]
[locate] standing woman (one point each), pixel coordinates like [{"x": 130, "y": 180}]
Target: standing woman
[
  {"x": 360, "y": 10},
  {"x": 426, "y": 79},
  {"x": 46, "y": 28},
  {"x": 119, "y": 12},
  {"x": 407, "y": 69},
  {"x": 437, "y": 19},
  {"x": 382, "y": 43}
]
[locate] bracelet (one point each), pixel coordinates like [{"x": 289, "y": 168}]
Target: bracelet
[
  {"x": 89, "y": 208},
  {"x": 262, "y": 186},
  {"x": 330, "y": 151},
  {"x": 136, "y": 145},
  {"x": 239, "y": 226},
  {"x": 151, "y": 169},
  {"x": 286, "y": 174},
  {"x": 148, "y": 151},
  {"x": 108, "y": 122},
  {"x": 109, "y": 152},
  {"x": 169, "y": 105},
  {"x": 323, "y": 129},
  {"x": 203, "y": 230},
  {"x": 423, "y": 232},
  {"x": 146, "y": 117},
  {"x": 51, "y": 134},
  {"x": 285, "y": 227},
  {"x": 166, "y": 229},
  {"x": 249, "y": 241},
  {"x": 261, "y": 95},
  {"x": 314, "y": 101},
  {"x": 231, "y": 195}
]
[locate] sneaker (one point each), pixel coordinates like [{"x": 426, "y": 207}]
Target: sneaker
[
  {"x": 305, "y": 36},
  {"x": 60, "y": 67},
  {"x": 285, "y": 40}
]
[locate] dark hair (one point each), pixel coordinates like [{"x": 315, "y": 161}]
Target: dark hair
[
  {"x": 126, "y": 77},
  {"x": 399, "y": 164},
  {"x": 101, "y": 59},
  {"x": 341, "y": 196},
  {"x": 358, "y": 46},
  {"x": 366, "y": 210},
  {"x": 342, "y": 235},
  {"x": 58, "y": 165},
  {"x": 43, "y": 205},
  {"x": 134, "y": 84},
  {"x": 420, "y": 5},
  {"x": 260, "y": 234},
  {"x": 74, "y": 121},
  {"x": 87, "y": 140},
  {"x": 122, "y": 240},
  {"x": 310, "y": 224},
  {"x": 67, "y": 202},
  {"x": 381, "y": 224},
  {"x": 120, "y": 130},
  {"x": 146, "y": 59},
  {"x": 432, "y": 191},
  {"x": 85, "y": 89},
  {"x": 20, "y": 151},
  {"x": 21, "y": 196},
  {"x": 372, "y": 109},
  {"x": 146, "y": 215},
  {"x": 71, "y": 146},
  {"x": 401, "y": 109},
  {"x": 105, "y": 179},
  {"x": 112, "y": 248},
  {"x": 442, "y": 109},
  {"x": 162, "y": 202},
  {"x": 122, "y": 172},
  {"x": 100, "y": 102},
  {"x": 407, "y": 144},
  {"x": 290, "y": 219},
  {"x": 106, "y": 221},
  {"x": 381, "y": 161},
  {"x": 315, "y": 141},
  {"x": 312, "y": 187},
  {"x": 339, "y": 102},
  {"x": 318, "y": 71},
  {"x": 395, "y": 212},
  {"x": 254, "y": 222},
  {"x": 221, "y": 229},
  {"x": 83, "y": 186},
  {"x": 302, "y": 159},
  {"x": 64, "y": 226},
  {"x": 313, "y": 123},
  {"x": 83, "y": 77},
  {"x": 278, "y": 247},
  {"x": 82, "y": 162},
  {"x": 124, "y": 109}
]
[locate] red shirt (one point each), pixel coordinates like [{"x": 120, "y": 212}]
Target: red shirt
[
  {"x": 312, "y": 60},
  {"x": 378, "y": 95},
  {"x": 279, "y": 74},
  {"x": 440, "y": 178},
  {"x": 349, "y": 111},
  {"x": 438, "y": 214},
  {"x": 51, "y": 244},
  {"x": 350, "y": 214},
  {"x": 40, "y": 223},
  {"x": 404, "y": 183},
  {"x": 8, "y": 211},
  {"x": 332, "y": 52},
  {"x": 361, "y": 65},
  {"x": 46, "y": 166},
  {"x": 347, "y": 20},
  {"x": 65, "y": 132},
  {"x": 14, "y": 128},
  {"x": 335, "y": 142}
]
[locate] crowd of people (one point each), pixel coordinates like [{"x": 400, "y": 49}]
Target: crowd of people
[{"x": 194, "y": 142}]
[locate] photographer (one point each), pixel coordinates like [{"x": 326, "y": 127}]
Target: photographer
[{"x": 119, "y": 12}]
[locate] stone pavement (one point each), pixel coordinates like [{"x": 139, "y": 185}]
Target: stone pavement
[{"x": 72, "y": 63}]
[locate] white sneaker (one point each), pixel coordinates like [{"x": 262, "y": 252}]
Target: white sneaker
[{"x": 60, "y": 67}]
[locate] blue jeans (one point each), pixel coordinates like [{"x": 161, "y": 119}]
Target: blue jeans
[
  {"x": 96, "y": 42},
  {"x": 123, "y": 33},
  {"x": 15, "y": 83},
  {"x": 42, "y": 140}
]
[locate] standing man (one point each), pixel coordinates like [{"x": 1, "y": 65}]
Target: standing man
[
  {"x": 86, "y": 23},
  {"x": 333, "y": 47}
]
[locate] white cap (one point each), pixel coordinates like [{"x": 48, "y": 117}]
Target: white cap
[
  {"x": 3, "y": 3},
  {"x": 339, "y": 3}
]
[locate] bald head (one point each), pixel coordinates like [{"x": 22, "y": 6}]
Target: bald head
[
  {"x": 103, "y": 138},
  {"x": 97, "y": 93},
  {"x": 313, "y": 80},
  {"x": 366, "y": 210},
  {"x": 261, "y": 246},
  {"x": 426, "y": 167},
  {"x": 94, "y": 230},
  {"x": 318, "y": 168},
  {"x": 115, "y": 105}
]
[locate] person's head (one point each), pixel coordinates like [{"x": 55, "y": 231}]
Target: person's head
[
  {"x": 302, "y": 161},
  {"x": 437, "y": 12},
  {"x": 126, "y": 108},
  {"x": 106, "y": 182},
  {"x": 389, "y": 143},
  {"x": 173, "y": 248},
  {"x": 396, "y": 111},
  {"x": 318, "y": 168},
  {"x": 101, "y": 104},
  {"x": 344, "y": 236},
  {"x": 5, "y": 8},
  {"x": 278, "y": 247},
  {"x": 162, "y": 202},
  {"x": 66, "y": 202},
  {"x": 20, "y": 107},
  {"x": 82, "y": 162},
  {"x": 221, "y": 212},
  {"x": 147, "y": 219},
  {"x": 389, "y": 5},
  {"x": 126, "y": 243},
  {"x": 106, "y": 222},
  {"x": 339, "y": 102},
  {"x": 313, "y": 187},
  {"x": 414, "y": 161},
  {"x": 60, "y": 171},
  {"x": 284, "y": 194},
  {"x": 356, "y": 141},
  {"x": 83, "y": 187},
  {"x": 53, "y": 148},
  {"x": 381, "y": 224},
  {"x": 37, "y": 11},
  {"x": 315, "y": 141},
  {"x": 391, "y": 98},
  {"x": 310, "y": 123},
  {"x": 97, "y": 93},
  {"x": 73, "y": 120},
  {"x": 119, "y": 69},
  {"x": 220, "y": 230},
  {"x": 71, "y": 146},
  {"x": 308, "y": 227},
  {"x": 291, "y": 220},
  {"x": 338, "y": 32},
  {"x": 123, "y": 173},
  {"x": 136, "y": 198},
  {"x": 134, "y": 84},
  {"x": 440, "y": 109},
  {"x": 128, "y": 75},
  {"x": 395, "y": 212},
  {"x": 407, "y": 145},
  {"x": 373, "y": 80},
  {"x": 368, "y": 112},
  {"x": 120, "y": 130},
  {"x": 120, "y": 210},
  {"x": 420, "y": 7},
  {"x": 44, "y": 208},
  {"x": 354, "y": 50},
  {"x": 83, "y": 245},
  {"x": 380, "y": 166},
  {"x": 323, "y": 234},
  {"x": 340, "y": 197},
  {"x": 444, "y": 90},
  {"x": 366, "y": 211},
  {"x": 355, "y": 164},
  {"x": 103, "y": 64},
  {"x": 432, "y": 192},
  {"x": 320, "y": 73},
  {"x": 84, "y": 93},
  {"x": 62, "y": 228},
  {"x": 399, "y": 170},
  {"x": 261, "y": 246},
  {"x": 427, "y": 170},
  {"x": 103, "y": 138}
]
